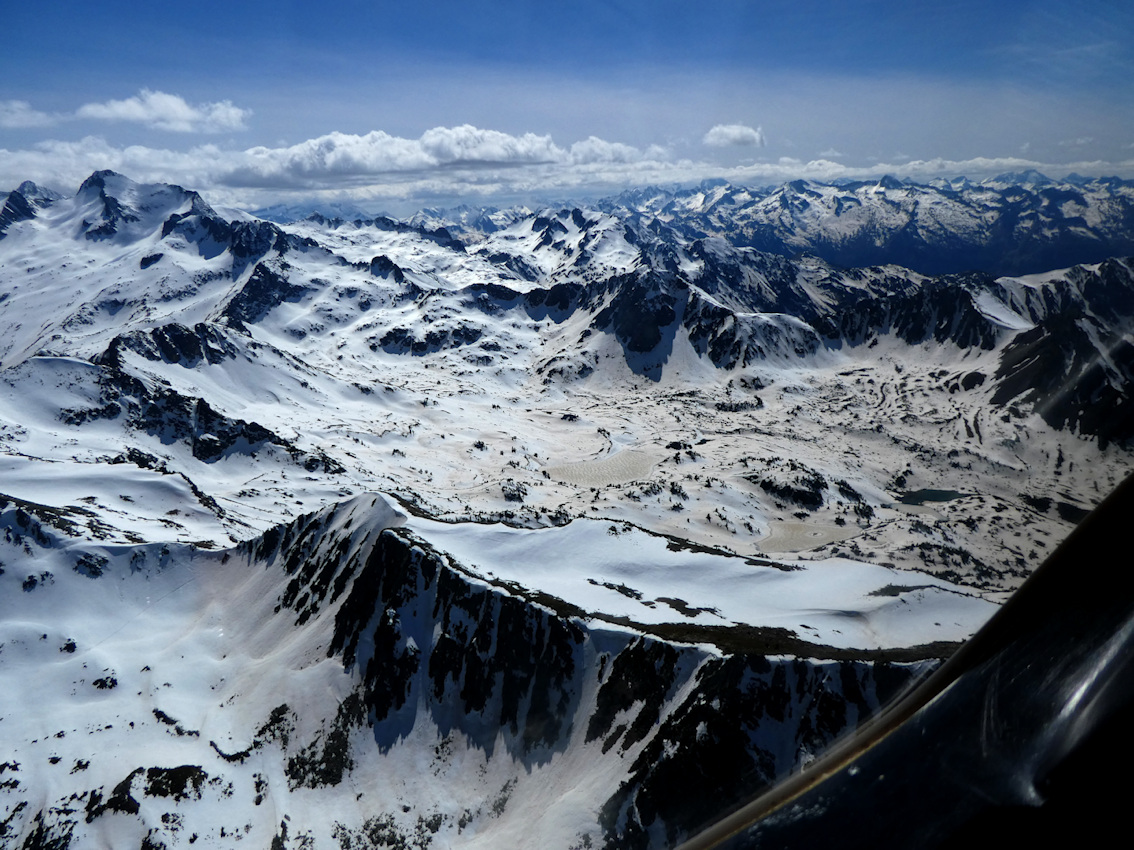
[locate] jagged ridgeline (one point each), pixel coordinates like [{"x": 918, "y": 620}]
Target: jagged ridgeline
[{"x": 339, "y": 682}]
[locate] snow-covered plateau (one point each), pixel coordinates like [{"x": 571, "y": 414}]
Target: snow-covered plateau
[{"x": 567, "y": 528}]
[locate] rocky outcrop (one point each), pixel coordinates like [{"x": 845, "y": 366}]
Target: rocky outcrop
[
  {"x": 265, "y": 289},
  {"x": 176, "y": 418},
  {"x": 16, "y": 208},
  {"x": 173, "y": 343}
]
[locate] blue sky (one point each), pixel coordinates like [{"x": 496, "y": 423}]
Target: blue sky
[{"x": 397, "y": 105}]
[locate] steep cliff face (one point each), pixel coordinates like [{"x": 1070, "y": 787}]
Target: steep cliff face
[
  {"x": 686, "y": 730},
  {"x": 341, "y": 682}
]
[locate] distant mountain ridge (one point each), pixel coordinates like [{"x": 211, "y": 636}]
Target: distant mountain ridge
[{"x": 1011, "y": 224}]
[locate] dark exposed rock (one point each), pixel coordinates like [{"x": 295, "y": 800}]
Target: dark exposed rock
[
  {"x": 90, "y": 565},
  {"x": 383, "y": 266},
  {"x": 639, "y": 314},
  {"x": 172, "y": 417},
  {"x": 1077, "y": 373},
  {"x": 266, "y": 289},
  {"x": 113, "y": 212},
  {"x": 513, "y": 491},
  {"x": 16, "y": 208},
  {"x": 705, "y": 757},
  {"x": 173, "y": 343},
  {"x": 121, "y": 799},
  {"x": 494, "y": 652},
  {"x": 32, "y": 519},
  {"x": 439, "y": 236},
  {"x": 797, "y": 484},
  {"x": 406, "y": 341},
  {"x": 521, "y": 268},
  {"x": 177, "y": 783},
  {"x": 328, "y": 758},
  {"x": 640, "y": 680},
  {"x": 45, "y": 834}
]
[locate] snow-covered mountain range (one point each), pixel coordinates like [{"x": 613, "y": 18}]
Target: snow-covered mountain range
[
  {"x": 1008, "y": 225},
  {"x": 560, "y": 528},
  {"x": 1011, "y": 224}
]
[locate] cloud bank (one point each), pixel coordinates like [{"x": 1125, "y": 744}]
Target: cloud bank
[
  {"x": 448, "y": 164},
  {"x": 461, "y": 156}
]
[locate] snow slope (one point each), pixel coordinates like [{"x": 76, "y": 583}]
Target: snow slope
[
  {"x": 342, "y": 677},
  {"x": 653, "y": 498}
]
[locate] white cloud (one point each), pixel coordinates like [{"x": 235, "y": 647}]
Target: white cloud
[
  {"x": 831, "y": 152},
  {"x": 468, "y": 144},
  {"x": 447, "y": 164},
  {"x": 463, "y": 154},
  {"x": 162, "y": 111},
  {"x": 330, "y": 158},
  {"x": 18, "y": 114},
  {"x": 596, "y": 150},
  {"x": 343, "y": 158},
  {"x": 734, "y": 135}
]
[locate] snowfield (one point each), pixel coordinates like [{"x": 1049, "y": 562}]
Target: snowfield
[
  {"x": 618, "y": 572},
  {"x": 563, "y": 528}
]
